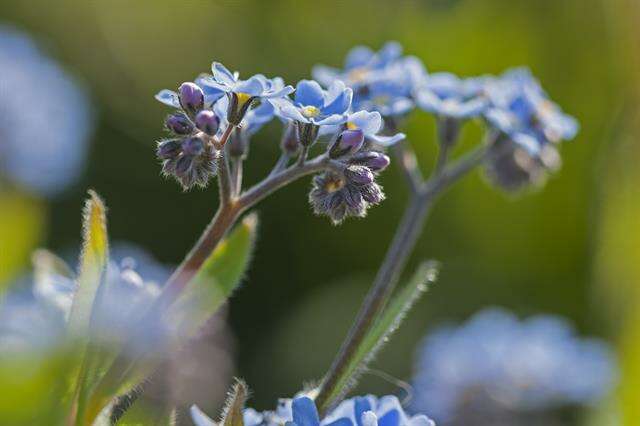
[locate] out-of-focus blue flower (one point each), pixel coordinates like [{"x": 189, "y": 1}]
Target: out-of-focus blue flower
[
  {"x": 382, "y": 81},
  {"x": 448, "y": 96},
  {"x": 124, "y": 297},
  {"x": 360, "y": 65},
  {"x": 314, "y": 105},
  {"x": 301, "y": 411},
  {"x": 522, "y": 110},
  {"x": 45, "y": 118},
  {"x": 499, "y": 363}
]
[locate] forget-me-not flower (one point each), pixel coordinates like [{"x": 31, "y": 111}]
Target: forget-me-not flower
[
  {"x": 448, "y": 96},
  {"x": 241, "y": 93},
  {"x": 496, "y": 363},
  {"x": 45, "y": 118},
  {"x": 301, "y": 411}
]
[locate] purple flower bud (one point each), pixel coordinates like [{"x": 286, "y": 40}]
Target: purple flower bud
[
  {"x": 168, "y": 149},
  {"x": 349, "y": 142},
  {"x": 376, "y": 161},
  {"x": 289, "y": 142},
  {"x": 184, "y": 164},
  {"x": 179, "y": 124},
  {"x": 191, "y": 97},
  {"x": 193, "y": 146},
  {"x": 372, "y": 193},
  {"x": 208, "y": 122},
  {"x": 359, "y": 175}
]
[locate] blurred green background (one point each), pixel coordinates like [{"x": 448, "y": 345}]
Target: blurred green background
[{"x": 571, "y": 248}]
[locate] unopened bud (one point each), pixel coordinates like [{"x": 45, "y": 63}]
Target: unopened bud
[
  {"x": 208, "y": 122},
  {"x": 359, "y": 174},
  {"x": 191, "y": 98},
  {"x": 193, "y": 146},
  {"x": 348, "y": 142},
  {"x": 289, "y": 142},
  {"x": 179, "y": 124},
  {"x": 168, "y": 149},
  {"x": 307, "y": 133},
  {"x": 375, "y": 161}
]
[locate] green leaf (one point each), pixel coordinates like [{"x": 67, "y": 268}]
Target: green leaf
[
  {"x": 217, "y": 279},
  {"x": 200, "y": 299},
  {"x": 388, "y": 323},
  {"x": 93, "y": 265}
]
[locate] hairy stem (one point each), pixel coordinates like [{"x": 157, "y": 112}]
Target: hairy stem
[{"x": 404, "y": 240}]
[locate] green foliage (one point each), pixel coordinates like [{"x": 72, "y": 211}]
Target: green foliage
[{"x": 385, "y": 326}]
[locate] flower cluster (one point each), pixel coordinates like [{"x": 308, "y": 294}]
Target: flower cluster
[
  {"x": 496, "y": 364},
  {"x": 45, "y": 118},
  {"x": 526, "y": 125},
  {"x": 301, "y": 411}
]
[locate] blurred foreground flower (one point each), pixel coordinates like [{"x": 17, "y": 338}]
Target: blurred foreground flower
[
  {"x": 45, "y": 118},
  {"x": 495, "y": 368}
]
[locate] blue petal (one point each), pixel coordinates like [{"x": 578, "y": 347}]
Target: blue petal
[
  {"x": 222, "y": 74},
  {"x": 369, "y": 122},
  {"x": 358, "y": 56},
  {"x": 344, "y": 421},
  {"x": 324, "y": 75},
  {"x": 340, "y": 104},
  {"x": 391, "y": 418},
  {"x": 360, "y": 405},
  {"x": 391, "y": 51},
  {"x": 290, "y": 112},
  {"x": 388, "y": 140},
  {"x": 309, "y": 93},
  {"x": 428, "y": 101},
  {"x": 254, "y": 86},
  {"x": 368, "y": 418},
  {"x": 285, "y": 91},
  {"x": 331, "y": 120},
  {"x": 305, "y": 412},
  {"x": 168, "y": 97}
]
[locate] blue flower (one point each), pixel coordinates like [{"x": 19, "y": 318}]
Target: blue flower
[
  {"x": 505, "y": 365},
  {"x": 371, "y": 124},
  {"x": 447, "y": 96},
  {"x": 253, "y": 120},
  {"x": 521, "y": 110},
  {"x": 360, "y": 65},
  {"x": 382, "y": 81},
  {"x": 45, "y": 118},
  {"x": 314, "y": 105},
  {"x": 302, "y": 411}
]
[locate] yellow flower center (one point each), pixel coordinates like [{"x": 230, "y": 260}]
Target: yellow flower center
[
  {"x": 351, "y": 126},
  {"x": 310, "y": 111},
  {"x": 243, "y": 98},
  {"x": 334, "y": 185},
  {"x": 358, "y": 74}
]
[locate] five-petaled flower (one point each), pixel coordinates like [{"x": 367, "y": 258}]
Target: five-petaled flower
[{"x": 241, "y": 93}]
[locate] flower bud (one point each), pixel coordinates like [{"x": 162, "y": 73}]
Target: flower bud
[
  {"x": 238, "y": 144},
  {"x": 208, "y": 122},
  {"x": 179, "y": 124},
  {"x": 239, "y": 104},
  {"x": 289, "y": 143},
  {"x": 375, "y": 161},
  {"x": 348, "y": 142},
  {"x": 191, "y": 98},
  {"x": 193, "y": 146},
  {"x": 359, "y": 175},
  {"x": 168, "y": 149},
  {"x": 307, "y": 133}
]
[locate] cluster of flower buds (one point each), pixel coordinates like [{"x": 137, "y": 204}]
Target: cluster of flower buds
[
  {"x": 190, "y": 156},
  {"x": 352, "y": 192}
]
